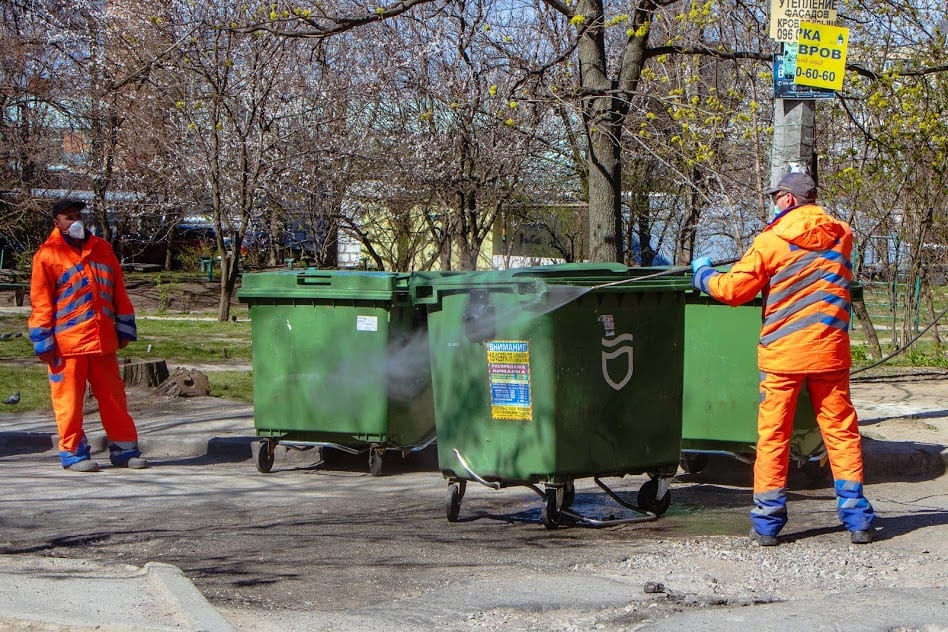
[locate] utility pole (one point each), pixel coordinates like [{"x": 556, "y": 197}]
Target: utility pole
[{"x": 792, "y": 148}]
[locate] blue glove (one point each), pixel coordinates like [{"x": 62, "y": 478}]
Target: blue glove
[{"x": 700, "y": 262}]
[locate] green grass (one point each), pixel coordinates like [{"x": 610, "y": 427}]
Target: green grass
[
  {"x": 236, "y": 385},
  {"x": 31, "y": 382},
  {"x": 925, "y": 352},
  {"x": 190, "y": 338},
  {"x": 185, "y": 338}
]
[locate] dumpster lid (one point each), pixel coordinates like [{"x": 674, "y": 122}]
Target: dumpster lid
[
  {"x": 316, "y": 283},
  {"x": 583, "y": 274},
  {"x": 573, "y": 279}
]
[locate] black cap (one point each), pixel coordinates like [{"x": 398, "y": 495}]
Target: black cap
[
  {"x": 800, "y": 185},
  {"x": 65, "y": 204}
]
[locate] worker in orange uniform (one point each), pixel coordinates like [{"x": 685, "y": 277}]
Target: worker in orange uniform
[
  {"x": 801, "y": 264},
  {"x": 81, "y": 316}
]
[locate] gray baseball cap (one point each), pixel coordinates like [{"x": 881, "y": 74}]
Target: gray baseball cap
[{"x": 800, "y": 185}]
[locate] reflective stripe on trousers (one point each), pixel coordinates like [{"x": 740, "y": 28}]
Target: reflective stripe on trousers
[
  {"x": 67, "y": 383},
  {"x": 853, "y": 508},
  {"x": 836, "y": 417},
  {"x": 770, "y": 513}
]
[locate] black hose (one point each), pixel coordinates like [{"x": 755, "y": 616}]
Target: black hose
[{"x": 668, "y": 272}]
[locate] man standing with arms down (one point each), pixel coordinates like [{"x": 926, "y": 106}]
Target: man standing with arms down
[
  {"x": 81, "y": 315},
  {"x": 801, "y": 264}
]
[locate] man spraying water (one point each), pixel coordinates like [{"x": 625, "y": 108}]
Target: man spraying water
[{"x": 801, "y": 265}]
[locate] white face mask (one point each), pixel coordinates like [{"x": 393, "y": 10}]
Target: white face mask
[
  {"x": 76, "y": 230},
  {"x": 777, "y": 210}
]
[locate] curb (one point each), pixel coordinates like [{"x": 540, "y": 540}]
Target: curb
[
  {"x": 886, "y": 458},
  {"x": 236, "y": 448},
  {"x": 65, "y": 594},
  {"x": 18, "y": 442},
  {"x": 170, "y": 582}
]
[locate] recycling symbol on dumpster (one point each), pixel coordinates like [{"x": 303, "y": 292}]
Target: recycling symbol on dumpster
[{"x": 614, "y": 348}]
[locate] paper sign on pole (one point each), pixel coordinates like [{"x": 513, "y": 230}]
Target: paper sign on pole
[
  {"x": 785, "y": 70},
  {"x": 821, "y": 55},
  {"x": 786, "y": 15}
]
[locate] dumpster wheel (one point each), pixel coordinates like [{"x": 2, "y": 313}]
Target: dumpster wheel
[
  {"x": 550, "y": 512},
  {"x": 452, "y": 500},
  {"x": 693, "y": 463},
  {"x": 376, "y": 452},
  {"x": 648, "y": 496},
  {"x": 263, "y": 454}
]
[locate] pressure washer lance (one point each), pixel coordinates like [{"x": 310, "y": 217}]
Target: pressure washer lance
[{"x": 668, "y": 272}]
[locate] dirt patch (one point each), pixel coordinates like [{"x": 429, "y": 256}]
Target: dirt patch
[{"x": 179, "y": 297}]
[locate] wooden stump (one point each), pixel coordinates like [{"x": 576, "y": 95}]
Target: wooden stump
[{"x": 146, "y": 373}]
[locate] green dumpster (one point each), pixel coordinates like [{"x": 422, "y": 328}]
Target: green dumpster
[
  {"x": 546, "y": 375},
  {"x": 340, "y": 359},
  {"x": 722, "y": 387}
]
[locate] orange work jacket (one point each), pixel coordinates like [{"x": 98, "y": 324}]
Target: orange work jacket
[
  {"x": 801, "y": 264},
  {"x": 80, "y": 304}
]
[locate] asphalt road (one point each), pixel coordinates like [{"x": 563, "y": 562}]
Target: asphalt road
[
  {"x": 273, "y": 551},
  {"x": 314, "y": 545}
]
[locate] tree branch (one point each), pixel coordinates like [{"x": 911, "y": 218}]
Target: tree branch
[
  {"x": 144, "y": 70},
  {"x": 333, "y": 25}
]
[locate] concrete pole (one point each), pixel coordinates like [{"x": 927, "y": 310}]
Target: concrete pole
[{"x": 793, "y": 138}]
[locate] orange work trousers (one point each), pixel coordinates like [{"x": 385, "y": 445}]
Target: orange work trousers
[
  {"x": 835, "y": 414},
  {"x": 67, "y": 381}
]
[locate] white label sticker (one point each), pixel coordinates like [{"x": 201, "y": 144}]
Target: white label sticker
[{"x": 367, "y": 323}]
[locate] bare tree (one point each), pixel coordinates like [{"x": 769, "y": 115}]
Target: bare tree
[
  {"x": 28, "y": 134},
  {"x": 229, "y": 104}
]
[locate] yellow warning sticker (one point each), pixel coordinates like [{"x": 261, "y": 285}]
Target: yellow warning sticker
[{"x": 508, "y": 370}]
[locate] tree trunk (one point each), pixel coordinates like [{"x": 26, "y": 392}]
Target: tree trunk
[
  {"x": 914, "y": 281},
  {"x": 930, "y": 304},
  {"x": 605, "y": 105},
  {"x": 605, "y": 204},
  {"x": 602, "y": 138},
  {"x": 145, "y": 373},
  {"x": 228, "y": 283},
  {"x": 862, "y": 314}
]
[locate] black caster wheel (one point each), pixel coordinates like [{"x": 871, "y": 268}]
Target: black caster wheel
[
  {"x": 693, "y": 463},
  {"x": 263, "y": 455},
  {"x": 648, "y": 498},
  {"x": 550, "y": 513},
  {"x": 375, "y": 461},
  {"x": 452, "y": 500}
]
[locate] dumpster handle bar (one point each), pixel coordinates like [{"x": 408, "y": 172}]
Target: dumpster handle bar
[
  {"x": 818, "y": 457},
  {"x": 308, "y": 445},
  {"x": 474, "y": 474},
  {"x": 728, "y": 453}
]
